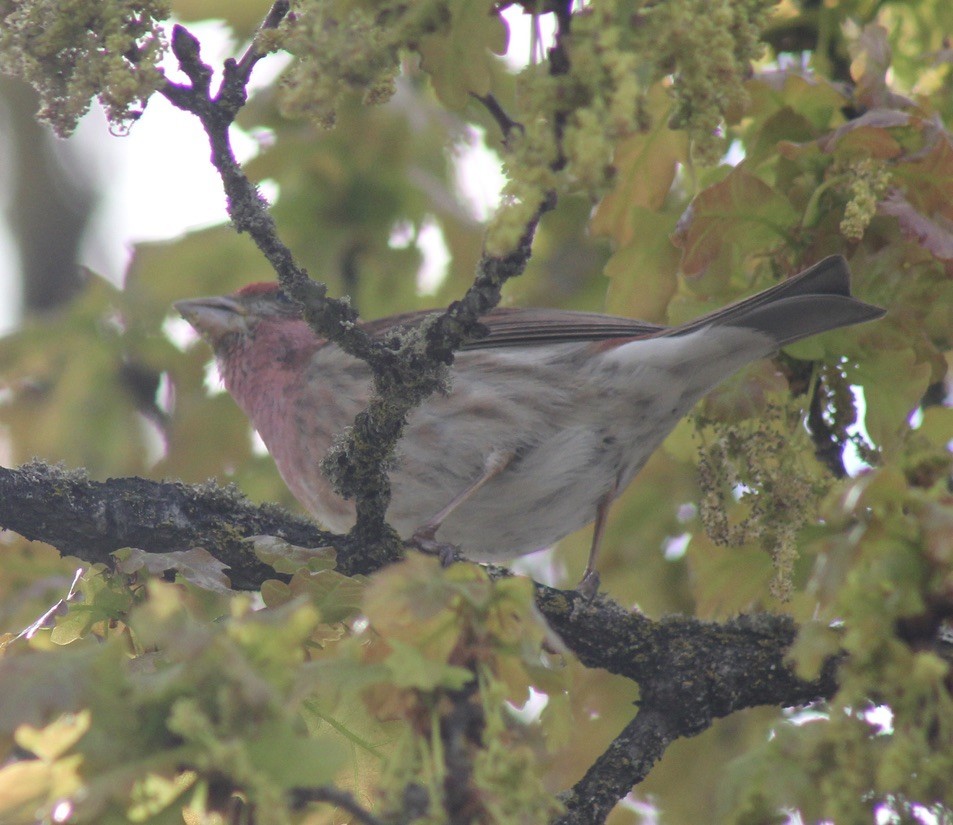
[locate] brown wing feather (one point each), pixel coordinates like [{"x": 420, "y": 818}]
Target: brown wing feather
[{"x": 514, "y": 326}]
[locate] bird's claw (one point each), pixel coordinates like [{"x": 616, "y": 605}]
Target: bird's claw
[
  {"x": 424, "y": 539},
  {"x": 588, "y": 587}
]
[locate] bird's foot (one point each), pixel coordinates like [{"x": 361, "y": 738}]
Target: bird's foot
[
  {"x": 425, "y": 540},
  {"x": 588, "y": 587}
]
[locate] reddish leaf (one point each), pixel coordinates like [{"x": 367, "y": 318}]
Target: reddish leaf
[
  {"x": 741, "y": 211},
  {"x": 934, "y": 235}
]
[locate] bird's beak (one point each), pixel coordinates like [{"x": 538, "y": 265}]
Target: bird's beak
[{"x": 214, "y": 318}]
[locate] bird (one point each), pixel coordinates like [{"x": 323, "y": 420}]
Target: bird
[{"x": 548, "y": 418}]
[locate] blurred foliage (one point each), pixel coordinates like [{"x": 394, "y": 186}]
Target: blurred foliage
[{"x": 149, "y": 700}]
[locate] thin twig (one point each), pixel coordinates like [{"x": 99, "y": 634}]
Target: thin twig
[
  {"x": 503, "y": 120},
  {"x": 828, "y": 446},
  {"x": 253, "y": 54}
]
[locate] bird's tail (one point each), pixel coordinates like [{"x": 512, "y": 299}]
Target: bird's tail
[{"x": 813, "y": 301}]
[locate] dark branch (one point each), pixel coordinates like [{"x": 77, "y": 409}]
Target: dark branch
[
  {"x": 503, "y": 120},
  {"x": 628, "y": 760},
  {"x": 90, "y": 519},
  {"x": 828, "y": 445},
  {"x": 338, "y": 798},
  {"x": 253, "y": 54},
  {"x": 689, "y": 673}
]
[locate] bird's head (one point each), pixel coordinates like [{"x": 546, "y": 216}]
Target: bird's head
[{"x": 226, "y": 320}]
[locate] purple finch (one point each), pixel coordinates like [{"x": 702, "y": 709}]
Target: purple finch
[{"x": 549, "y": 417}]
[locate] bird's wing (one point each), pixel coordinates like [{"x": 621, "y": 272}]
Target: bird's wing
[
  {"x": 813, "y": 301},
  {"x": 513, "y": 327}
]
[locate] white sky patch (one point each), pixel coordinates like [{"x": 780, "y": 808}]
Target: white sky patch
[
  {"x": 270, "y": 190},
  {"x": 880, "y": 717},
  {"x": 213, "y": 381},
  {"x": 852, "y": 461},
  {"x": 257, "y": 444},
  {"x": 160, "y": 182},
  {"x": 541, "y": 565},
  {"x": 62, "y": 811},
  {"x": 675, "y": 547},
  {"x": 532, "y": 709},
  {"x": 479, "y": 175},
  {"x": 179, "y": 332},
  {"x": 735, "y": 153},
  {"x": 9, "y": 278},
  {"x": 647, "y": 810},
  {"x": 153, "y": 440},
  {"x": 436, "y": 258},
  {"x": 524, "y": 41},
  {"x": 165, "y": 394},
  {"x": 401, "y": 235}
]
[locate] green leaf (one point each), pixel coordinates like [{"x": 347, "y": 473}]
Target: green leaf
[
  {"x": 458, "y": 58},
  {"x": 893, "y": 385},
  {"x": 645, "y": 165},
  {"x": 293, "y": 760},
  {"x": 642, "y": 273},
  {"x": 411, "y": 669},
  {"x": 285, "y": 557}
]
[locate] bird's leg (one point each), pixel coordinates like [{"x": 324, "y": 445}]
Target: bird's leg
[
  {"x": 424, "y": 537},
  {"x": 589, "y": 584}
]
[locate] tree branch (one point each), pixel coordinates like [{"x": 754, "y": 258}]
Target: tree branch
[
  {"x": 498, "y": 113},
  {"x": 628, "y": 760},
  {"x": 300, "y": 797}
]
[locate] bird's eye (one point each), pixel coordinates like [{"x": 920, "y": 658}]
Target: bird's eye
[{"x": 283, "y": 299}]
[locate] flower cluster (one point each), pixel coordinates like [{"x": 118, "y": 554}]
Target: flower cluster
[{"x": 71, "y": 52}]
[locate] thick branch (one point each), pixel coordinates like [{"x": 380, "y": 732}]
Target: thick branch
[
  {"x": 628, "y": 760},
  {"x": 689, "y": 673},
  {"x": 91, "y": 519}
]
